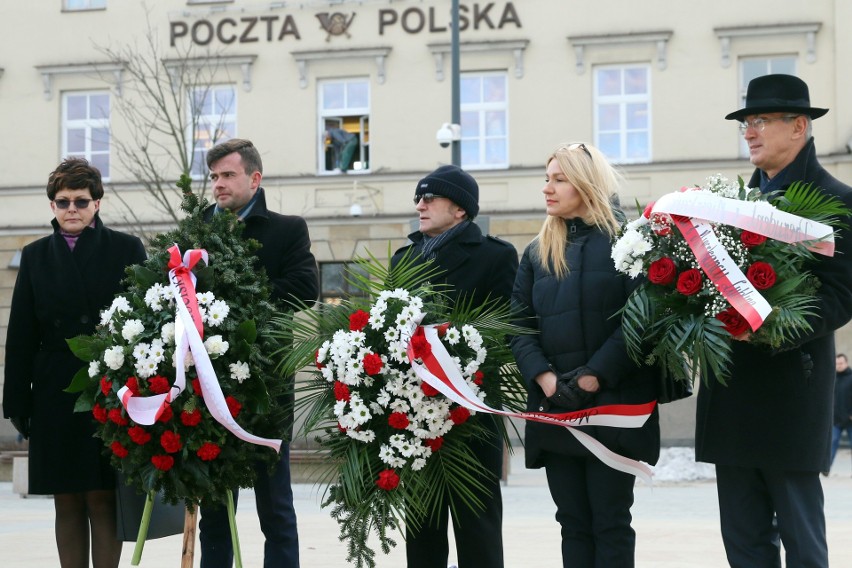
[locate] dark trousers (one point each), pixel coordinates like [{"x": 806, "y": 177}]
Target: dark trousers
[
  {"x": 593, "y": 507},
  {"x": 274, "y": 499},
  {"x": 756, "y": 506},
  {"x": 479, "y": 536}
]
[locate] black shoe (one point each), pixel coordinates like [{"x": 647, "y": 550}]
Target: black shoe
[{"x": 825, "y": 474}]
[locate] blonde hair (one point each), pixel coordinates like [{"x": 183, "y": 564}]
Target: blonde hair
[{"x": 588, "y": 170}]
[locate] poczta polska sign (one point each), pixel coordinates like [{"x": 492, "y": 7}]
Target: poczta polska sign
[{"x": 271, "y": 28}]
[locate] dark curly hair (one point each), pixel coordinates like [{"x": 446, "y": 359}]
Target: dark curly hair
[{"x": 75, "y": 173}]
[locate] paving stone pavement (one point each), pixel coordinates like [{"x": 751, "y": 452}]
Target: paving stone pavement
[{"x": 676, "y": 525}]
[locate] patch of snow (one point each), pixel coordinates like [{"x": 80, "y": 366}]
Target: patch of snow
[{"x": 678, "y": 464}]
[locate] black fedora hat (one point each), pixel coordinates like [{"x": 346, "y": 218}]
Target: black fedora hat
[{"x": 777, "y": 93}]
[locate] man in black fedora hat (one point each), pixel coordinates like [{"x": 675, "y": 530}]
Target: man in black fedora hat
[{"x": 769, "y": 429}]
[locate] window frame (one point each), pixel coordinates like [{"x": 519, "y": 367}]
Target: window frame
[
  {"x": 481, "y": 135},
  {"x": 771, "y": 64},
  {"x": 88, "y": 124},
  {"x": 623, "y": 100},
  {"x": 346, "y": 292},
  {"x": 88, "y": 5},
  {"x": 198, "y": 169},
  {"x": 352, "y": 118}
]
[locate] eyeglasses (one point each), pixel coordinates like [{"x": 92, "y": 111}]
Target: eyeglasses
[
  {"x": 78, "y": 203},
  {"x": 759, "y": 124},
  {"x": 426, "y": 197}
]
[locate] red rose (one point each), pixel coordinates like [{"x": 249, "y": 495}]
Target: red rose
[
  {"x": 106, "y": 386},
  {"x": 316, "y": 360},
  {"x": 459, "y": 415},
  {"x": 477, "y": 377},
  {"x": 735, "y": 323},
  {"x": 647, "y": 212},
  {"x": 196, "y": 387},
  {"x": 139, "y": 435},
  {"x": 158, "y": 384},
  {"x": 100, "y": 413},
  {"x": 420, "y": 345},
  {"x": 750, "y": 239},
  {"x": 118, "y": 449},
  {"x": 163, "y": 463},
  {"x": 190, "y": 418},
  {"x": 341, "y": 391},
  {"x": 428, "y": 389},
  {"x": 133, "y": 384},
  {"x": 388, "y": 480},
  {"x": 761, "y": 275},
  {"x": 234, "y": 405},
  {"x": 689, "y": 282},
  {"x": 358, "y": 320},
  {"x": 662, "y": 271},
  {"x": 170, "y": 441},
  {"x": 398, "y": 420},
  {"x": 208, "y": 451},
  {"x": 117, "y": 417},
  {"x": 434, "y": 444},
  {"x": 166, "y": 415},
  {"x": 372, "y": 364}
]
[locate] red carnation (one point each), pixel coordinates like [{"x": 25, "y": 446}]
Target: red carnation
[
  {"x": 139, "y": 435},
  {"x": 158, "y": 384},
  {"x": 477, "y": 377},
  {"x": 434, "y": 444},
  {"x": 662, "y": 271},
  {"x": 689, "y": 282},
  {"x": 100, "y": 413},
  {"x": 428, "y": 389},
  {"x": 762, "y": 275},
  {"x": 118, "y": 449},
  {"x": 234, "y": 406},
  {"x": 398, "y": 420},
  {"x": 388, "y": 480},
  {"x": 196, "y": 386},
  {"x": 171, "y": 441},
  {"x": 190, "y": 418},
  {"x": 133, "y": 384},
  {"x": 735, "y": 323},
  {"x": 317, "y": 361},
  {"x": 208, "y": 451},
  {"x": 341, "y": 391},
  {"x": 372, "y": 364},
  {"x": 420, "y": 345},
  {"x": 459, "y": 415},
  {"x": 750, "y": 239},
  {"x": 106, "y": 386},
  {"x": 163, "y": 463},
  {"x": 166, "y": 415},
  {"x": 358, "y": 320},
  {"x": 117, "y": 417}
]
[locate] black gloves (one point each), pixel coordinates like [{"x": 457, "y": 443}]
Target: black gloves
[
  {"x": 569, "y": 395},
  {"x": 21, "y": 424}
]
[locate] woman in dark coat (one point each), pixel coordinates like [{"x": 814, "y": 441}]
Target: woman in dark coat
[
  {"x": 65, "y": 280},
  {"x": 567, "y": 289}
]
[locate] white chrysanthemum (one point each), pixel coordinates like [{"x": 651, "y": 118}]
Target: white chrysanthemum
[
  {"x": 146, "y": 367},
  {"x": 204, "y": 298},
  {"x": 452, "y": 336},
  {"x": 216, "y": 346},
  {"x": 94, "y": 369},
  {"x": 386, "y": 453},
  {"x": 366, "y": 436},
  {"x": 157, "y": 352},
  {"x": 399, "y": 405},
  {"x": 217, "y": 313},
  {"x": 418, "y": 464},
  {"x": 635, "y": 269},
  {"x": 167, "y": 333},
  {"x": 154, "y": 297},
  {"x": 131, "y": 329},
  {"x": 391, "y": 334},
  {"x": 114, "y": 358},
  {"x": 140, "y": 351},
  {"x": 120, "y": 304},
  {"x": 188, "y": 360},
  {"x": 376, "y": 321},
  {"x": 239, "y": 371},
  {"x": 360, "y": 411},
  {"x": 339, "y": 408},
  {"x": 383, "y": 398}
]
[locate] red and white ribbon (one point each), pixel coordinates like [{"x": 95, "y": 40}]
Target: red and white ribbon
[
  {"x": 189, "y": 333},
  {"x": 441, "y": 372},
  {"x": 760, "y": 217}
]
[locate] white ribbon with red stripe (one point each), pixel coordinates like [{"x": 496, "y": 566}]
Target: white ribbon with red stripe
[
  {"x": 759, "y": 217},
  {"x": 189, "y": 333},
  {"x": 440, "y": 371}
]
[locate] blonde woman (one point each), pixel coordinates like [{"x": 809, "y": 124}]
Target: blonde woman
[{"x": 567, "y": 288}]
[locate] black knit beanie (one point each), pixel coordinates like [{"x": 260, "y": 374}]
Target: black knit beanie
[{"x": 455, "y": 184}]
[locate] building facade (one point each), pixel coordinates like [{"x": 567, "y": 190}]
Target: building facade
[{"x": 648, "y": 83}]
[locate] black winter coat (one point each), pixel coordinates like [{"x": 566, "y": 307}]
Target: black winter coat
[
  {"x": 59, "y": 294},
  {"x": 843, "y": 399},
  {"x": 770, "y": 415},
  {"x": 578, "y": 326}
]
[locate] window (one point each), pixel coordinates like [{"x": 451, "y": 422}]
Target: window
[
  {"x": 623, "y": 112},
  {"x": 344, "y": 113},
  {"x": 484, "y": 121},
  {"x": 334, "y": 286},
  {"x": 85, "y": 128},
  {"x": 215, "y": 109},
  {"x": 752, "y": 67},
  {"x": 73, "y": 5}
]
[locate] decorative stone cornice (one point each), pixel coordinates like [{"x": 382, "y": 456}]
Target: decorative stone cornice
[
  {"x": 48, "y": 72},
  {"x": 303, "y": 58},
  {"x": 515, "y": 47},
  {"x": 659, "y": 38},
  {"x": 808, "y": 29}
]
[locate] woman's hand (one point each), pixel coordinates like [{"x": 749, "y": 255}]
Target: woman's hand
[
  {"x": 547, "y": 382},
  {"x": 589, "y": 383}
]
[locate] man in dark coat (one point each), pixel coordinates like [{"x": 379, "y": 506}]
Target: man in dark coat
[
  {"x": 768, "y": 431},
  {"x": 480, "y": 269},
  {"x": 842, "y": 406},
  {"x": 235, "y": 171}
]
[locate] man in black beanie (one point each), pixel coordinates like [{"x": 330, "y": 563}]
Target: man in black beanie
[{"x": 478, "y": 268}]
